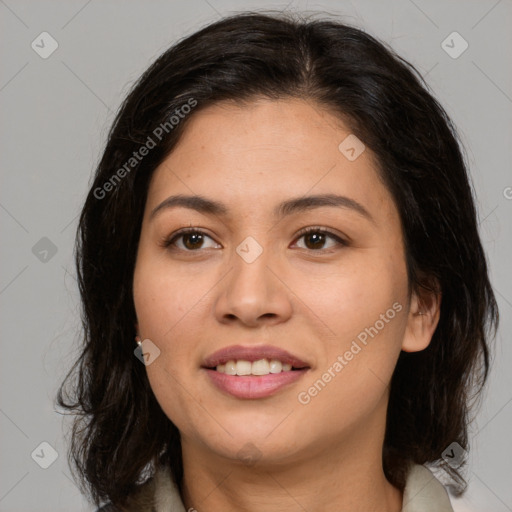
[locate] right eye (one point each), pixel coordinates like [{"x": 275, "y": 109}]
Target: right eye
[{"x": 192, "y": 240}]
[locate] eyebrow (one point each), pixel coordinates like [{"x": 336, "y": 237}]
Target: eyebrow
[{"x": 295, "y": 205}]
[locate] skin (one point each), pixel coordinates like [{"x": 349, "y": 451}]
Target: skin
[{"x": 312, "y": 300}]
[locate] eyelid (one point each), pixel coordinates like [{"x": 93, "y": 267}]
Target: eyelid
[
  {"x": 326, "y": 231},
  {"x": 168, "y": 241}
]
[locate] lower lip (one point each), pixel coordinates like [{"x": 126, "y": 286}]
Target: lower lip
[{"x": 257, "y": 386}]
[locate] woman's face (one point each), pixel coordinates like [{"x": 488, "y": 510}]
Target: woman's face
[{"x": 337, "y": 302}]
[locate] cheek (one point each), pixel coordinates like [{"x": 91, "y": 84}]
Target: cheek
[
  {"x": 166, "y": 297},
  {"x": 352, "y": 380},
  {"x": 168, "y": 305},
  {"x": 353, "y": 295},
  {"x": 363, "y": 307}
]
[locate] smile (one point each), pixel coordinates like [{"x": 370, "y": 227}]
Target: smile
[
  {"x": 243, "y": 367},
  {"x": 253, "y": 371}
]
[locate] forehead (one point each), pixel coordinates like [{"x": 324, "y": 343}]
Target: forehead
[
  {"x": 262, "y": 152},
  {"x": 288, "y": 126}
]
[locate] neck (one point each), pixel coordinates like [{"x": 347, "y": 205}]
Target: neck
[{"x": 343, "y": 477}]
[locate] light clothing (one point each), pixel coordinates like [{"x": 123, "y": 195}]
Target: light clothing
[{"x": 422, "y": 493}]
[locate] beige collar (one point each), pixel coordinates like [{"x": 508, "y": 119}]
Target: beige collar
[{"x": 423, "y": 492}]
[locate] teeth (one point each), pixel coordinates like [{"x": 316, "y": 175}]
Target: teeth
[
  {"x": 243, "y": 367},
  {"x": 229, "y": 368},
  {"x": 275, "y": 366},
  {"x": 260, "y": 367}
]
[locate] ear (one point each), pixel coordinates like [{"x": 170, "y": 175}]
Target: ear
[
  {"x": 424, "y": 313},
  {"x": 137, "y": 328}
]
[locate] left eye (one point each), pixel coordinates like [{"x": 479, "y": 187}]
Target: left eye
[{"x": 315, "y": 238}]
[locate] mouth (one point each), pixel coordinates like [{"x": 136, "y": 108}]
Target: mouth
[
  {"x": 253, "y": 372},
  {"x": 244, "y": 367}
]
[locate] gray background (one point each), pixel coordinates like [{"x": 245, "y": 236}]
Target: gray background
[{"x": 55, "y": 113}]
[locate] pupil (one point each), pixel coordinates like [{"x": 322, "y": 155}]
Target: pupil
[
  {"x": 196, "y": 238},
  {"x": 318, "y": 239}
]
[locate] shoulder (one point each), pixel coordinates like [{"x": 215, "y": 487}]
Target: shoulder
[
  {"x": 158, "y": 494},
  {"x": 424, "y": 492},
  {"x": 142, "y": 500}
]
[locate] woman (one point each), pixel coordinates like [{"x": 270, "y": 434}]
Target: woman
[{"x": 282, "y": 222}]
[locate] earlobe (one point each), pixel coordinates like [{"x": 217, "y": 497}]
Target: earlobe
[{"x": 423, "y": 319}]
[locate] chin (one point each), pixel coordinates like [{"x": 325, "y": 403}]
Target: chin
[{"x": 252, "y": 452}]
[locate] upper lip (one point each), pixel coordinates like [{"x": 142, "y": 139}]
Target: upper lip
[{"x": 252, "y": 353}]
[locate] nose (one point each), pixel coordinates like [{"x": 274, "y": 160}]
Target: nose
[{"x": 253, "y": 294}]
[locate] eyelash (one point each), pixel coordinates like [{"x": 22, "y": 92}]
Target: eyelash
[{"x": 168, "y": 242}]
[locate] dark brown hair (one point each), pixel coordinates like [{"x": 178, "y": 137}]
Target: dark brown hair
[{"x": 120, "y": 432}]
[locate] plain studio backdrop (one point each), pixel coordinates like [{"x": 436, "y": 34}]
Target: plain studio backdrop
[{"x": 65, "y": 68}]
